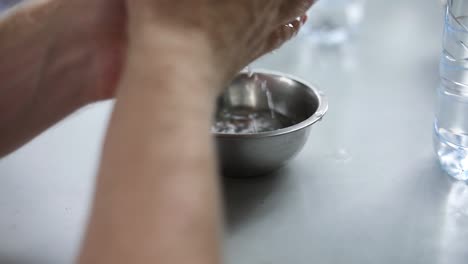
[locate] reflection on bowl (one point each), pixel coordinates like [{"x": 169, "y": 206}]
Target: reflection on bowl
[{"x": 263, "y": 120}]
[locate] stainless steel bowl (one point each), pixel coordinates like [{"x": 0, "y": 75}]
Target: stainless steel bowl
[{"x": 255, "y": 154}]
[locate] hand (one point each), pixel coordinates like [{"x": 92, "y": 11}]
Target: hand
[
  {"x": 238, "y": 37},
  {"x": 95, "y": 30},
  {"x": 56, "y": 56},
  {"x": 237, "y": 31}
]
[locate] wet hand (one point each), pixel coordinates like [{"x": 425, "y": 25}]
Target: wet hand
[{"x": 235, "y": 31}]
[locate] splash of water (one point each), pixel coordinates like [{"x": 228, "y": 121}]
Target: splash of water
[
  {"x": 271, "y": 104},
  {"x": 250, "y": 72}
]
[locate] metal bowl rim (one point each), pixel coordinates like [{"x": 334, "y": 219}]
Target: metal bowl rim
[{"x": 318, "y": 115}]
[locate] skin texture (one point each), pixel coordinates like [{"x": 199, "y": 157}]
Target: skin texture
[
  {"x": 73, "y": 62},
  {"x": 237, "y": 31},
  {"x": 51, "y": 65},
  {"x": 157, "y": 193}
]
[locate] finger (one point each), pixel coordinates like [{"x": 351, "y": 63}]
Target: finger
[
  {"x": 294, "y": 8},
  {"x": 281, "y": 35}
]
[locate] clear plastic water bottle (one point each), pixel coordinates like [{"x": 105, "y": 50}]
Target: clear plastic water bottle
[
  {"x": 451, "y": 122},
  {"x": 333, "y": 22}
]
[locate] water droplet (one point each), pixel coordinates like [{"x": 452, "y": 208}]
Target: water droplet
[{"x": 342, "y": 155}]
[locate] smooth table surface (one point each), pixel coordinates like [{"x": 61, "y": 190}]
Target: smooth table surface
[{"x": 366, "y": 188}]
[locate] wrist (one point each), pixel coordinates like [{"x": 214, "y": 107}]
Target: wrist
[{"x": 186, "y": 55}]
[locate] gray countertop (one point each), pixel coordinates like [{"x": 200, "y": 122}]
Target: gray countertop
[{"x": 366, "y": 188}]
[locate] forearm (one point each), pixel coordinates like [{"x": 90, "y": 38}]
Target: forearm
[
  {"x": 37, "y": 69},
  {"x": 157, "y": 194}
]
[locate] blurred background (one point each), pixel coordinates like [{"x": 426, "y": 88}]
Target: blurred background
[{"x": 4, "y": 4}]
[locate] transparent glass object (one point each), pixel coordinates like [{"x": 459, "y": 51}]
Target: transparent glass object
[
  {"x": 451, "y": 122},
  {"x": 333, "y": 22}
]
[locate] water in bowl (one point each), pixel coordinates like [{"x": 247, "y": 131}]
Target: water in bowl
[{"x": 243, "y": 120}]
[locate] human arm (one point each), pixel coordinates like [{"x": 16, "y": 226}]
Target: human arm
[
  {"x": 157, "y": 197},
  {"x": 54, "y": 59}
]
